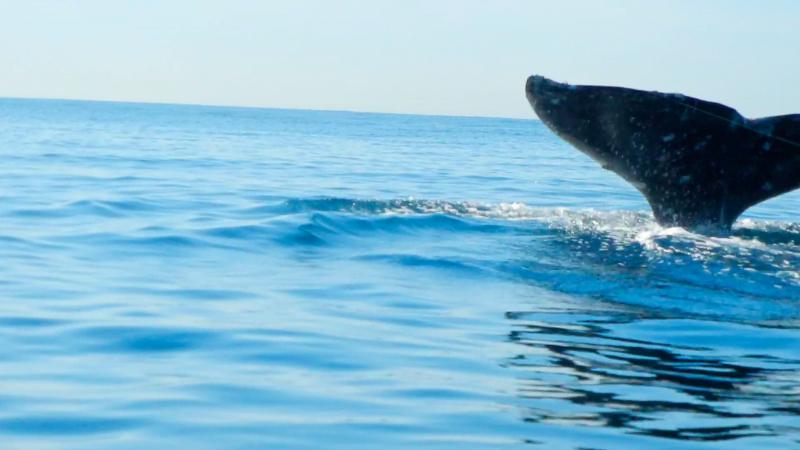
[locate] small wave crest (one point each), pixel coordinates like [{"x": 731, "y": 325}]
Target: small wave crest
[
  {"x": 618, "y": 256},
  {"x": 625, "y": 226},
  {"x": 412, "y": 206}
]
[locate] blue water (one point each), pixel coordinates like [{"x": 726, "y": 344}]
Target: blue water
[{"x": 223, "y": 278}]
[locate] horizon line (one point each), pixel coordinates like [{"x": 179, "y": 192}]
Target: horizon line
[{"x": 274, "y": 108}]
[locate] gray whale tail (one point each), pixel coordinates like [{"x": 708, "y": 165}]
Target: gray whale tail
[{"x": 699, "y": 164}]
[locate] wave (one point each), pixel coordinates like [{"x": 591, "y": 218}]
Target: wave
[
  {"x": 627, "y": 227},
  {"x": 621, "y": 257},
  {"x": 610, "y": 256}
]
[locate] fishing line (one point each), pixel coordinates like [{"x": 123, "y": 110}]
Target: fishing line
[{"x": 743, "y": 125}]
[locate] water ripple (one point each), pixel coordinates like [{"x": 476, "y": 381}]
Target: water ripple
[{"x": 200, "y": 277}]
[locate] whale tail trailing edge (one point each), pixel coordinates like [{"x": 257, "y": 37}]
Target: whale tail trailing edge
[
  {"x": 777, "y": 160},
  {"x": 699, "y": 164}
]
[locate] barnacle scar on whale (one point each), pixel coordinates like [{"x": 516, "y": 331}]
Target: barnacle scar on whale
[{"x": 699, "y": 164}]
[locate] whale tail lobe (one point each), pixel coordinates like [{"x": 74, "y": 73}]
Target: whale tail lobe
[{"x": 699, "y": 164}]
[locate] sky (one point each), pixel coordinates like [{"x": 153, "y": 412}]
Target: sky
[{"x": 453, "y": 57}]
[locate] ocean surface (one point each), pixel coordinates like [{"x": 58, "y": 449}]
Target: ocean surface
[{"x": 187, "y": 277}]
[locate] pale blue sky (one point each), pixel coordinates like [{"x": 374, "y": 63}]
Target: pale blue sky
[{"x": 462, "y": 57}]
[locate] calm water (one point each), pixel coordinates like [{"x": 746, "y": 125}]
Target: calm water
[{"x": 221, "y": 278}]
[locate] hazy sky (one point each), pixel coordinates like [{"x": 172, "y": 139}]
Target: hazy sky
[{"x": 462, "y": 57}]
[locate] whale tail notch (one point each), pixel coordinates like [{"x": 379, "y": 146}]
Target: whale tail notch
[{"x": 699, "y": 164}]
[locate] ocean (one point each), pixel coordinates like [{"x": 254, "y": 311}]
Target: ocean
[{"x": 233, "y": 278}]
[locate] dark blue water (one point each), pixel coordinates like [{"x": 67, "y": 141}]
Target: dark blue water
[{"x": 221, "y": 278}]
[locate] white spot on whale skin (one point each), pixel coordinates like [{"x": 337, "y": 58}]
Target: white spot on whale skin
[
  {"x": 766, "y": 146},
  {"x": 766, "y": 186},
  {"x": 685, "y": 179},
  {"x": 555, "y": 101},
  {"x": 668, "y": 137}
]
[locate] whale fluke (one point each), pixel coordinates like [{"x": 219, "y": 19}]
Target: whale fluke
[{"x": 699, "y": 164}]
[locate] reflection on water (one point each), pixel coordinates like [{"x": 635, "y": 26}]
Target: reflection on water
[
  {"x": 693, "y": 339},
  {"x": 583, "y": 371}
]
